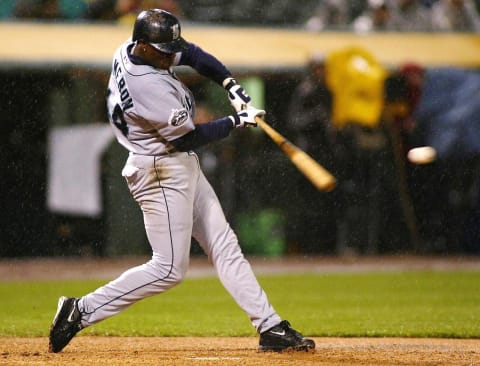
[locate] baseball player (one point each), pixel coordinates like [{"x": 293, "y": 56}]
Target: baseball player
[{"x": 151, "y": 112}]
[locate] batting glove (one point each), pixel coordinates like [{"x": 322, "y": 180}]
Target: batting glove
[
  {"x": 239, "y": 99},
  {"x": 246, "y": 117}
]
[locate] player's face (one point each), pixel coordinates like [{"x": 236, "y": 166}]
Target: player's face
[
  {"x": 152, "y": 56},
  {"x": 160, "y": 59}
]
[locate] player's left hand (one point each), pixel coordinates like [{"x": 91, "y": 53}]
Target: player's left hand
[
  {"x": 239, "y": 99},
  {"x": 246, "y": 117}
]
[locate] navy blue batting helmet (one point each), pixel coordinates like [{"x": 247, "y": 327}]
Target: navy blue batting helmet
[{"x": 159, "y": 28}]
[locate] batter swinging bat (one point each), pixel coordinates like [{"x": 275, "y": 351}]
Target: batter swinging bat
[{"x": 315, "y": 173}]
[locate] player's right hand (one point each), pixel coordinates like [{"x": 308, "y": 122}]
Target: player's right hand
[{"x": 246, "y": 117}]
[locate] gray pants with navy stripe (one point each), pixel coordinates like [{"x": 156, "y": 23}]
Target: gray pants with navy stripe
[{"x": 177, "y": 203}]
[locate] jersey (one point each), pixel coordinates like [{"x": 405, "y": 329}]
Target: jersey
[{"x": 144, "y": 123}]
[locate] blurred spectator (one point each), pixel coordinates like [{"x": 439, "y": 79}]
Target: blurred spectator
[
  {"x": 37, "y": 9},
  {"x": 329, "y": 14},
  {"x": 404, "y": 87},
  {"x": 410, "y": 16},
  {"x": 455, "y": 16},
  {"x": 377, "y": 17},
  {"x": 310, "y": 109},
  {"x": 367, "y": 202},
  {"x": 172, "y": 6},
  {"x": 128, "y": 16},
  {"x": 309, "y": 113},
  {"x": 6, "y": 8},
  {"x": 110, "y": 10},
  {"x": 126, "y": 11},
  {"x": 49, "y": 9},
  {"x": 72, "y": 9},
  {"x": 283, "y": 13},
  {"x": 357, "y": 7},
  {"x": 428, "y": 3}
]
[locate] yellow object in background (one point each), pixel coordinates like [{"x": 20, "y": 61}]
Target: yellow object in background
[{"x": 356, "y": 80}]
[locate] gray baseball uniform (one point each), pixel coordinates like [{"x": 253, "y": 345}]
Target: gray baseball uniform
[{"x": 149, "y": 108}]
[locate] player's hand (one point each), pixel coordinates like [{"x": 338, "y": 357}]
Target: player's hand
[
  {"x": 239, "y": 99},
  {"x": 246, "y": 117}
]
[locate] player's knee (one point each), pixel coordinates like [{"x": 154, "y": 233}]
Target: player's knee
[
  {"x": 226, "y": 244},
  {"x": 176, "y": 275},
  {"x": 228, "y": 249},
  {"x": 170, "y": 273}
]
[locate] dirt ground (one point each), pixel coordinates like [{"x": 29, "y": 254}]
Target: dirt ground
[{"x": 87, "y": 350}]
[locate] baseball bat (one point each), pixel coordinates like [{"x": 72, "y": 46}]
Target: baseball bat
[{"x": 313, "y": 171}]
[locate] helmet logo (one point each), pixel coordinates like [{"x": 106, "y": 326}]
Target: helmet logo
[{"x": 175, "y": 31}]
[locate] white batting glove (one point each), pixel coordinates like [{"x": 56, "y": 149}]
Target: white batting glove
[
  {"x": 246, "y": 117},
  {"x": 239, "y": 99}
]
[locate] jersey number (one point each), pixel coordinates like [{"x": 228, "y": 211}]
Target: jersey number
[{"x": 119, "y": 120}]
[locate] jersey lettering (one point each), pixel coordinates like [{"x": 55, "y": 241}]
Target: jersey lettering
[
  {"x": 127, "y": 101},
  {"x": 116, "y": 67},
  {"x": 119, "y": 121}
]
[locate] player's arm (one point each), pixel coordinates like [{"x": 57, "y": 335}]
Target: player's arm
[
  {"x": 209, "y": 66},
  {"x": 203, "y": 134},
  {"x": 208, "y": 132},
  {"x": 204, "y": 63}
]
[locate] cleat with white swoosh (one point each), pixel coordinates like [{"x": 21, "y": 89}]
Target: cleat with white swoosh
[
  {"x": 283, "y": 337},
  {"x": 66, "y": 323}
]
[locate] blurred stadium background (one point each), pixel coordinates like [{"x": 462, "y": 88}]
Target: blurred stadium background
[{"x": 61, "y": 187}]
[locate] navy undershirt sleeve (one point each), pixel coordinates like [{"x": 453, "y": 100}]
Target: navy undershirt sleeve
[
  {"x": 203, "y": 134},
  {"x": 204, "y": 63}
]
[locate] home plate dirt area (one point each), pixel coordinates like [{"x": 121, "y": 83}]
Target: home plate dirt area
[
  {"x": 88, "y": 350},
  {"x": 179, "y": 351}
]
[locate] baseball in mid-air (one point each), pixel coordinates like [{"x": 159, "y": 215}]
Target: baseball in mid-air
[{"x": 422, "y": 155}]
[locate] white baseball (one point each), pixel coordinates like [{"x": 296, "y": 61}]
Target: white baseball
[{"x": 422, "y": 155}]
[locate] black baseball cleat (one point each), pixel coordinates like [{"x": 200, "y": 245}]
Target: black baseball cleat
[
  {"x": 66, "y": 323},
  {"x": 283, "y": 337}
]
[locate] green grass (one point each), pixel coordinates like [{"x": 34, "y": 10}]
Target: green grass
[{"x": 404, "y": 304}]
